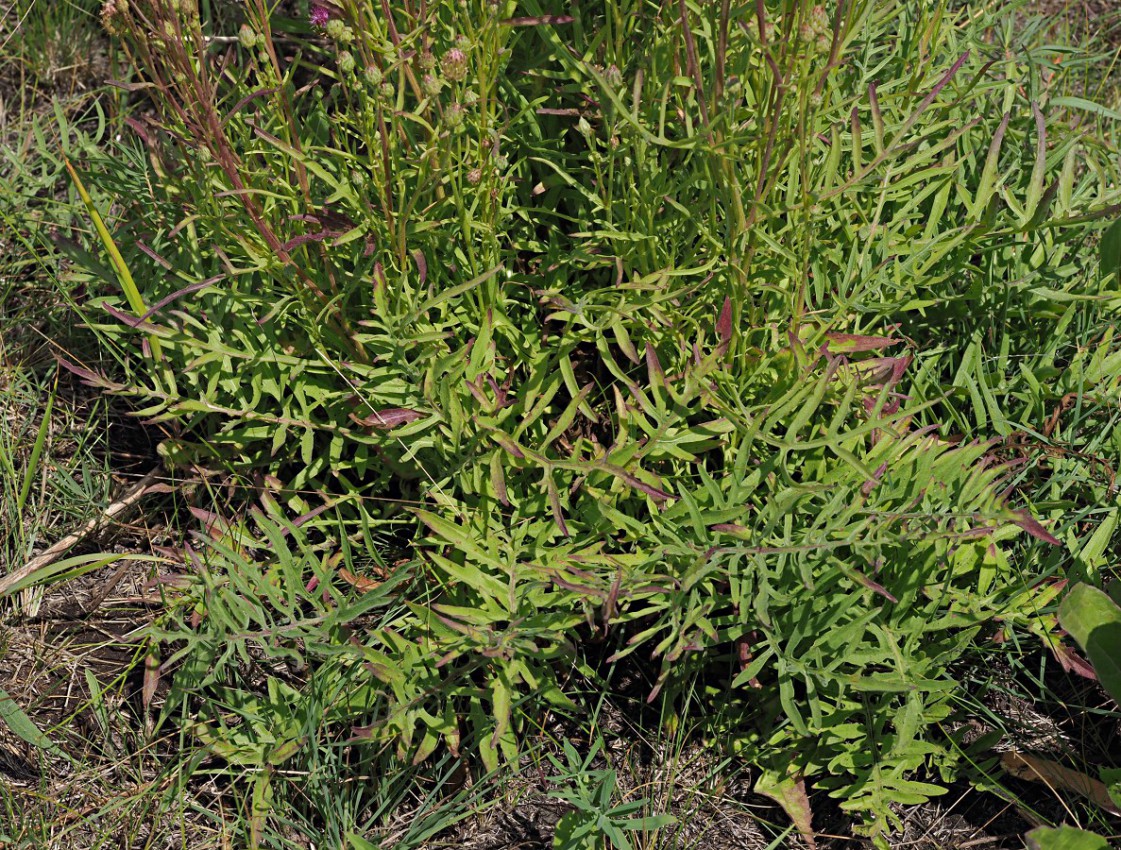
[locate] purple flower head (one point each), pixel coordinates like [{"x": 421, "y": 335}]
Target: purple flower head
[{"x": 319, "y": 15}]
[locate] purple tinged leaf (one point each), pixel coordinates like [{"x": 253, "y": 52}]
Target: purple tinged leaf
[
  {"x": 363, "y": 733},
  {"x": 877, "y": 116},
  {"x": 654, "y": 367},
  {"x": 577, "y": 588},
  {"x": 949, "y": 75},
  {"x": 554, "y": 503},
  {"x": 884, "y": 370},
  {"x": 186, "y": 290},
  {"x": 88, "y": 376},
  {"x": 1033, "y": 527},
  {"x": 537, "y": 21},
  {"x": 127, "y": 318},
  {"x": 874, "y": 586},
  {"x": 245, "y": 101},
  {"x": 312, "y": 514},
  {"x": 475, "y": 391},
  {"x": 847, "y": 343},
  {"x": 868, "y": 486},
  {"x": 152, "y": 253},
  {"x": 1072, "y": 662},
  {"x": 508, "y": 444},
  {"x": 304, "y": 238},
  {"x": 729, "y": 528},
  {"x": 421, "y": 265},
  {"x": 141, "y": 131},
  {"x": 392, "y": 417},
  {"x": 648, "y": 489},
  {"x": 498, "y": 479},
  {"x": 724, "y": 324}
]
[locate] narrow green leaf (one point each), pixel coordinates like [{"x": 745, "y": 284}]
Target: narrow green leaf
[
  {"x": 1110, "y": 251},
  {"x": 23, "y": 726}
]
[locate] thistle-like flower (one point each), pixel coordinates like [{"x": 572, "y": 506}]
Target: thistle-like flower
[
  {"x": 454, "y": 64},
  {"x": 320, "y": 15}
]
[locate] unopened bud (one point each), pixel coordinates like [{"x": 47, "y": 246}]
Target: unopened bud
[{"x": 454, "y": 64}]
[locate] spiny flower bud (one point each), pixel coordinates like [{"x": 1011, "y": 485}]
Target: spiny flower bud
[
  {"x": 474, "y": 176},
  {"x": 431, "y": 85},
  {"x": 454, "y": 64},
  {"x": 247, "y": 37},
  {"x": 337, "y": 30},
  {"x": 373, "y": 76},
  {"x": 387, "y": 90},
  {"x": 453, "y": 116},
  {"x": 426, "y": 61},
  {"x": 346, "y": 61},
  {"x": 114, "y": 16}
]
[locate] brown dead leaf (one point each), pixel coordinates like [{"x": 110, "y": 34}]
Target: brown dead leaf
[
  {"x": 1059, "y": 778},
  {"x": 360, "y": 583}
]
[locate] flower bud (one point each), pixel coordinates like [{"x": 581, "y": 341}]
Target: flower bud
[
  {"x": 453, "y": 116},
  {"x": 454, "y": 64},
  {"x": 337, "y": 30}
]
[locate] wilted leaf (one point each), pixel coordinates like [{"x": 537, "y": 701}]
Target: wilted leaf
[
  {"x": 789, "y": 791},
  {"x": 1055, "y": 775},
  {"x": 840, "y": 343},
  {"x": 390, "y": 418}
]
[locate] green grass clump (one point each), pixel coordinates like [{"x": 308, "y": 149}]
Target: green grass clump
[{"x": 674, "y": 335}]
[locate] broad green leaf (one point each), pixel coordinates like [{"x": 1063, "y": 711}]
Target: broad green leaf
[
  {"x": 1065, "y": 838},
  {"x": 576, "y": 830},
  {"x": 1094, "y": 621}
]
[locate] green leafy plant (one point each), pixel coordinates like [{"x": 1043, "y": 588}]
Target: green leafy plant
[
  {"x": 615, "y": 334},
  {"x": 595, "y": 819}
]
